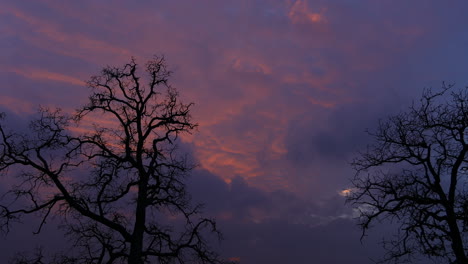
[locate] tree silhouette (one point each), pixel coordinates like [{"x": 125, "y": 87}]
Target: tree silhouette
[
  {"x": 415, "y": 174},
  {"x": 112, "y": 171}
]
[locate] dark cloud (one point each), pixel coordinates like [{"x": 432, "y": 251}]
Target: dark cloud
[
  {"x": 334, "y": 137},
  {"x": 254, "y": 222},
  {"x": 334, "y": 243}
]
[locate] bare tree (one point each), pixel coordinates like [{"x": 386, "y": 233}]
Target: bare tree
[
  {"x": 112, "y": 172},
  {"x": 415, "y": 174}
]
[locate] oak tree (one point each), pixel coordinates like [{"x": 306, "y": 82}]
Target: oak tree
[
  {"x": 112, "y": 172},
  {"x": 415, "y": 175}
]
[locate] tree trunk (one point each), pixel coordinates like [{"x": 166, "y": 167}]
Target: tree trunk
[
  {"x": 457, "y": 242},
  {"x": 136, "y": 246}
]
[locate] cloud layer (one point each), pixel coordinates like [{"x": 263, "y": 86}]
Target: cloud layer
[{"x": 284, "y": 91}]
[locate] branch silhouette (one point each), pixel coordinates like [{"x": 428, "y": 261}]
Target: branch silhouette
[
  {"x": 112, "y": 171},
  {"x": 414, "y": 174}
]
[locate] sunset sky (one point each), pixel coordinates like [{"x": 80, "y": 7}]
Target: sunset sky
[{"x": 284, "y": 91}]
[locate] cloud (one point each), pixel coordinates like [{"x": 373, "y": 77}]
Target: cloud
[
  {"x": 15, "y": 105},
  {"x": 301, "y": 13},
  {"x": 238, "y": 201},
  {"x": 50, "y": 36},
  {"x": 271, "y": 227},
  {"x": 46, "y": 75},
  {"x": 249, "y": 65}
]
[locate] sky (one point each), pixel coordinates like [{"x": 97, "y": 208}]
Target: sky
[{"x": 284, "y": 91}]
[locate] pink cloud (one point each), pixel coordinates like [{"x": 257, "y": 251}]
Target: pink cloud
[
  {"x": 300, "y": 12},
  {"x": 39, "y": 74},
  {"x": 17, "y": 105}
]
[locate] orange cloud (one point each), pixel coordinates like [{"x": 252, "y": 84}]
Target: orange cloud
[
  {"x": 301, "y": 13},
  {"x": 346, "y": 192},
  {"x": 243, "y": 153},
  {"x": 235, "y": 259}
]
